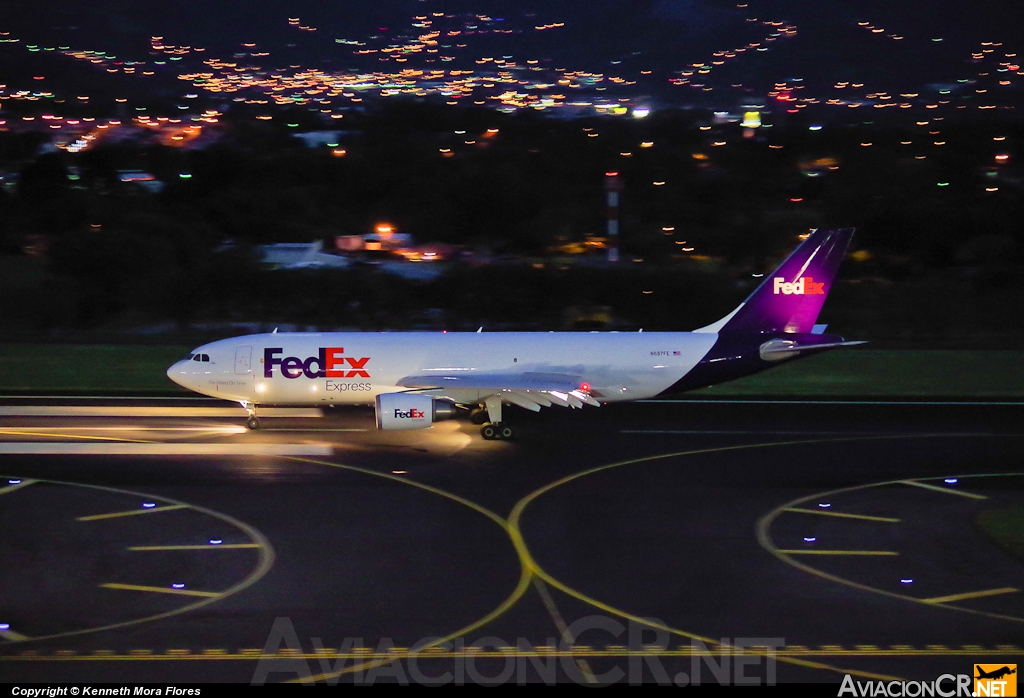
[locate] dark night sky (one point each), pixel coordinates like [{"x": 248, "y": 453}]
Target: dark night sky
[
  {"x": 662, "y": 35},
  {"x": 618, "y": 24}
]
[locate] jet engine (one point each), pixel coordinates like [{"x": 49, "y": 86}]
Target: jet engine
[{"x": 399, "y": 411}]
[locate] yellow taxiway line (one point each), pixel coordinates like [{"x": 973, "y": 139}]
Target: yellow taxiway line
[
  {"x": 16, "y": 486},
  {"x": 947, "y": 490},
  {"x": 132, "y": 512},
  {"x": 162, "y": 590},
  {"x": 838, "y": 552},
  {"x": 842, "y": 515},
  {"x": 264, "y": 563},
  {"x": 764, "y": 538},
  {"x": 12, "y": 636},
  {"x": 971, "y": 595},
  {"x": 370, "y": 654},
  {"x": 208, "y": 546},
  {"x": 50, "y": 434}
]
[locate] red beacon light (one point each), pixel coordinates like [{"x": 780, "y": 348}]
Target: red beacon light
[{"x": 585, "y": 387}]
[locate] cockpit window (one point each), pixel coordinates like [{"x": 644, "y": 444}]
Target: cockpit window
[
  {"x": 190, "y": 357},
  {"x": 206, "y": 357}
]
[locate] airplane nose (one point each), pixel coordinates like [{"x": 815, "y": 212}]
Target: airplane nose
[{"x": 176, "y": 374}]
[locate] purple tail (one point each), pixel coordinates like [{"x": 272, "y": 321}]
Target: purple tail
[{"x": 790, "y": 298}]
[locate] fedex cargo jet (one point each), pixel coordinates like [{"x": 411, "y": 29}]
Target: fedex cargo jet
[{"x": 418, "y": 378}]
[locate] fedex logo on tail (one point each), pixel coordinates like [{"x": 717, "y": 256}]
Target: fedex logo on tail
[
  {"x": 328, "y": 363},
  {"x": 804, "y": 286}
]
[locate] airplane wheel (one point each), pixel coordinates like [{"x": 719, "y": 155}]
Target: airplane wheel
[
  {"x": 253, "y": 423},
  {"x": 478, "y": 416},
  {"x": 505, "y": 433},
  {"x": 489, "y": 432}
]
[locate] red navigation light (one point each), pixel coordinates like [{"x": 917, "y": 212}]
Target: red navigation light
[{"x": 611, "y": 174}]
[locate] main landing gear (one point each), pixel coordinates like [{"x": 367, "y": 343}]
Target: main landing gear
[
  {"x": 492, "y": 411},
  {"x": 492, "y": 432},
  {"x": 253, "y": 422}
]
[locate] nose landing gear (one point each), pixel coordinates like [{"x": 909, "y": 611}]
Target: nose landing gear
[{"x": 253, "y": 422}]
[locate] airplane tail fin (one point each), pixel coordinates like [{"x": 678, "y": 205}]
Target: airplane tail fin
[{"x": 791, "y": 297}]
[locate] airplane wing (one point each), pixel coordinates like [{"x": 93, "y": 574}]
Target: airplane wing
[{"x": 529, "y": 389}]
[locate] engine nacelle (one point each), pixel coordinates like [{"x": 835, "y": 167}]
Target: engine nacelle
[{"x": 399, "y": 411}]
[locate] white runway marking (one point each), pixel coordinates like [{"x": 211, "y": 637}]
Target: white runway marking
[
  {"x": 772, "y": 432},
  {"x": 312, "y": 429},
  {"x": 112, "y": 411},
  {"x": 733, "y": 431},
  {"x": 168, "y": 449}
]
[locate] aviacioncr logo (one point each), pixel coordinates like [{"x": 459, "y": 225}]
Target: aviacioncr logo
[{"x": 328, "y": 363}]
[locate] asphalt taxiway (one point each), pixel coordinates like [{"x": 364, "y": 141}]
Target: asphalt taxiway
[{"x": 159, "y": 540}]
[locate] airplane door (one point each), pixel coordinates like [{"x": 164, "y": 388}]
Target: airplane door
[{"x": 243, "y": 359}]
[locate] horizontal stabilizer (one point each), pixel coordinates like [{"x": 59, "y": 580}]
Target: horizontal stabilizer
[{"x": 778, "y": 349}]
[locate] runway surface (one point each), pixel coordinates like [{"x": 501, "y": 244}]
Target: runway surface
[{"x": 159, "y": 540}]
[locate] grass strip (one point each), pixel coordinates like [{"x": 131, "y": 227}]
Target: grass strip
[
  {"x": 1005, "y": 527},
  {"x": 88, "y": 368},
  {"x": 141, "y": 369},
  {"x": 887, "y": 373}
]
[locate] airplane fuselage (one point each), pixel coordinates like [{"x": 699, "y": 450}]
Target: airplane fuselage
[{"x": 354, "y": 367}]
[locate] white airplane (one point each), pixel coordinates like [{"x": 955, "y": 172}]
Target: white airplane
[{"x": 418, "y": 378}]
